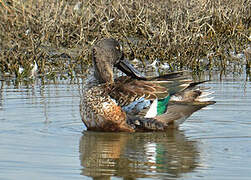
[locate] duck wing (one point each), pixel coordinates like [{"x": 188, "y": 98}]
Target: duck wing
[{"x": 126, "y": 90}]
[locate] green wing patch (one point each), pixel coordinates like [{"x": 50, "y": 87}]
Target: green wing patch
[{"x": 162, "y": 105}]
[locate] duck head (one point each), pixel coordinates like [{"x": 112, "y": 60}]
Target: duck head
[{"x": 106, "y": 55}]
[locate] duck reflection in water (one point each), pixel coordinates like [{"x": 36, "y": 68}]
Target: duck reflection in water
[{"x": 137, "y": 155}]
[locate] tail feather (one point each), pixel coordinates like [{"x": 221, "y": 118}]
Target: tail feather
[
  {"x": 204, "y": 96},
  {"x": 178, "y": 112},
  {"x": 170, "y": 76},
  {"x": 192, "y": 85}
]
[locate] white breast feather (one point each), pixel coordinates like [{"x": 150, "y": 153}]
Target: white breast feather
[{"x": 152, "y": 112}]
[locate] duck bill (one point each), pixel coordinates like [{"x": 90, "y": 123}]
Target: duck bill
[{"x": 126, "y": 67}]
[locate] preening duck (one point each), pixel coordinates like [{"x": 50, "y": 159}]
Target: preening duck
[{"x": 133, "y": 102}]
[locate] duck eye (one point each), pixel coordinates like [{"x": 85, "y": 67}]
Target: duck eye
[{"x": 117, "y": 47}]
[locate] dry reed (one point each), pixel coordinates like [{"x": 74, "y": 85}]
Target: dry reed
[{"x": 191, "y": 34}]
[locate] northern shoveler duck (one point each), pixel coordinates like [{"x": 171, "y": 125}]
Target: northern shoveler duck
[{"x": 134, "y": 102}]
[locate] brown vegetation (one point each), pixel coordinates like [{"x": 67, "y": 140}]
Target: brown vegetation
[{"x": 59, "y": 34}]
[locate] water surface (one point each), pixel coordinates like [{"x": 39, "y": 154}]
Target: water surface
[{"x": 42, "y": 137}]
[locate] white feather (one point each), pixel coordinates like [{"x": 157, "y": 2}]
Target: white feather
[
  {"x": 204, "y": 99},
  {"x": 105, "y": 105},
  {"x": 152, "y": 112},
  {"x": 204, "y": 94},
  {"x": 176, "y": 98}
]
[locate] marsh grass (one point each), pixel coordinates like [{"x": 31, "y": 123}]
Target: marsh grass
[{"x": 58, "y": 35}]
